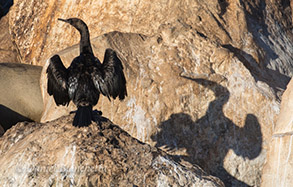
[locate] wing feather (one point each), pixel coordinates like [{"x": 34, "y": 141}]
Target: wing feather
[
  {"x": 57, "y": 81},
  {"x": 109, "y": 78}
]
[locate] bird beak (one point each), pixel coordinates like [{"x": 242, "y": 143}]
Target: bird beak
[{"x": 59, "y": 19}]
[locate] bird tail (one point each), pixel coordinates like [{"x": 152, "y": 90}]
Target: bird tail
[{"x": 83, "y": 116}]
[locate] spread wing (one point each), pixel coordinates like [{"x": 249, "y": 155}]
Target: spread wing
[
  {"x": 57, "y": 81},
  {"x": 109, "y": 78}
]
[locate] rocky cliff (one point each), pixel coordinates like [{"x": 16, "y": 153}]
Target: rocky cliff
[
  {"x": 58, "y": 154},
  {"x": 204, "y": 77}
]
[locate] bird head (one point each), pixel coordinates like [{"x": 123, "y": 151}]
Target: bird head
[{"x": 77, "y": 23}]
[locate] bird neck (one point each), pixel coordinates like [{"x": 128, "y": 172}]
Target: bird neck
[{"x": 85, "y": 44}]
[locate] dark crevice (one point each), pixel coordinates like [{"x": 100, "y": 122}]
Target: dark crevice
[
  {"x": 199, "y": 18},
  {"x": 115, "y": 143},
  {"x": 142, "y": 37},
  {"x": 159, "y": 39},
  {"x": 221, "y": 25},
  {"x": 223, "y": 5},
  {"x": 201, "y": 35}
]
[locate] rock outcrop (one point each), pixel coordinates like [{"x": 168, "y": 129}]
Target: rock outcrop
[
  {"x": 204, "y": 77},
  {"x": 58, "y": 154},
  {"x": 278, "y": 168}
]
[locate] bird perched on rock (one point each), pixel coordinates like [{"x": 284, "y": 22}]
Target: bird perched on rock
[{"x": 86, "y": 77}]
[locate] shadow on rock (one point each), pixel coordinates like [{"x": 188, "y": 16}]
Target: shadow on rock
[
  {"x": 273, "y": 78},
  {"x": 255, "y": 14},
  {"x": 208, "y": 140},
  {"x": 10, "y": 117},
  {"x": 4, "y": 7}
]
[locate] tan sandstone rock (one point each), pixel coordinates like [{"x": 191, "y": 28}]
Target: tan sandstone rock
[
  {"x": 58, "y": 154},
  {"x": 246, "y": 25},
  {"x": 20, "y": 94},
  {"x": 204, "y": 77},
  {"x": 279, "y": 165},
  {"x": 8, "y": 52}
]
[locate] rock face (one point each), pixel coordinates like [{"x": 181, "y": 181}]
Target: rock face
[
  {"x": 278, "y": 168},
  {"x": 256, "y": 35},
  {"x": 204, "y": 77},
  {"x": 56, "y": 153},
  {"x": 8, "y": 52}
]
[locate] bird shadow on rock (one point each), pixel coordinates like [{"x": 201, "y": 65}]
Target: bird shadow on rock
[{"x": 208, "y": 139}]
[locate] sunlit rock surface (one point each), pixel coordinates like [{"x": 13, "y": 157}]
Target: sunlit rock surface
[
  {"x": 58, "y": 154},
  {"x": 8, "y": 51},
  {"x": 204, "y": 77},
  {"x": 279, "y": 165}
]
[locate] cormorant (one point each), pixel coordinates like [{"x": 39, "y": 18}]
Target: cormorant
[{"x": 84, "y": 80}]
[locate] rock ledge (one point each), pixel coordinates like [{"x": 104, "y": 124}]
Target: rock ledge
[{"x": 56, "y": 153}]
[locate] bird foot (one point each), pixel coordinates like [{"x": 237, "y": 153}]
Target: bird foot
[
  {"x": 97, "y": 112},
  {"x": 98, "y": 118}
]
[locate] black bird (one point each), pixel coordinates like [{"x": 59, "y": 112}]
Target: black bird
[{"x": 84, "y": 80}]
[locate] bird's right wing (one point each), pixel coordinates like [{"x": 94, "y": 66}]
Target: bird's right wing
[{"x": 57, "y": 81}]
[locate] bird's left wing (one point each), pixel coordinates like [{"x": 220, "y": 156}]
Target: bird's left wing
[
  {"x": 57, "y": 81},
  {"x": 109, "y": 78}
]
